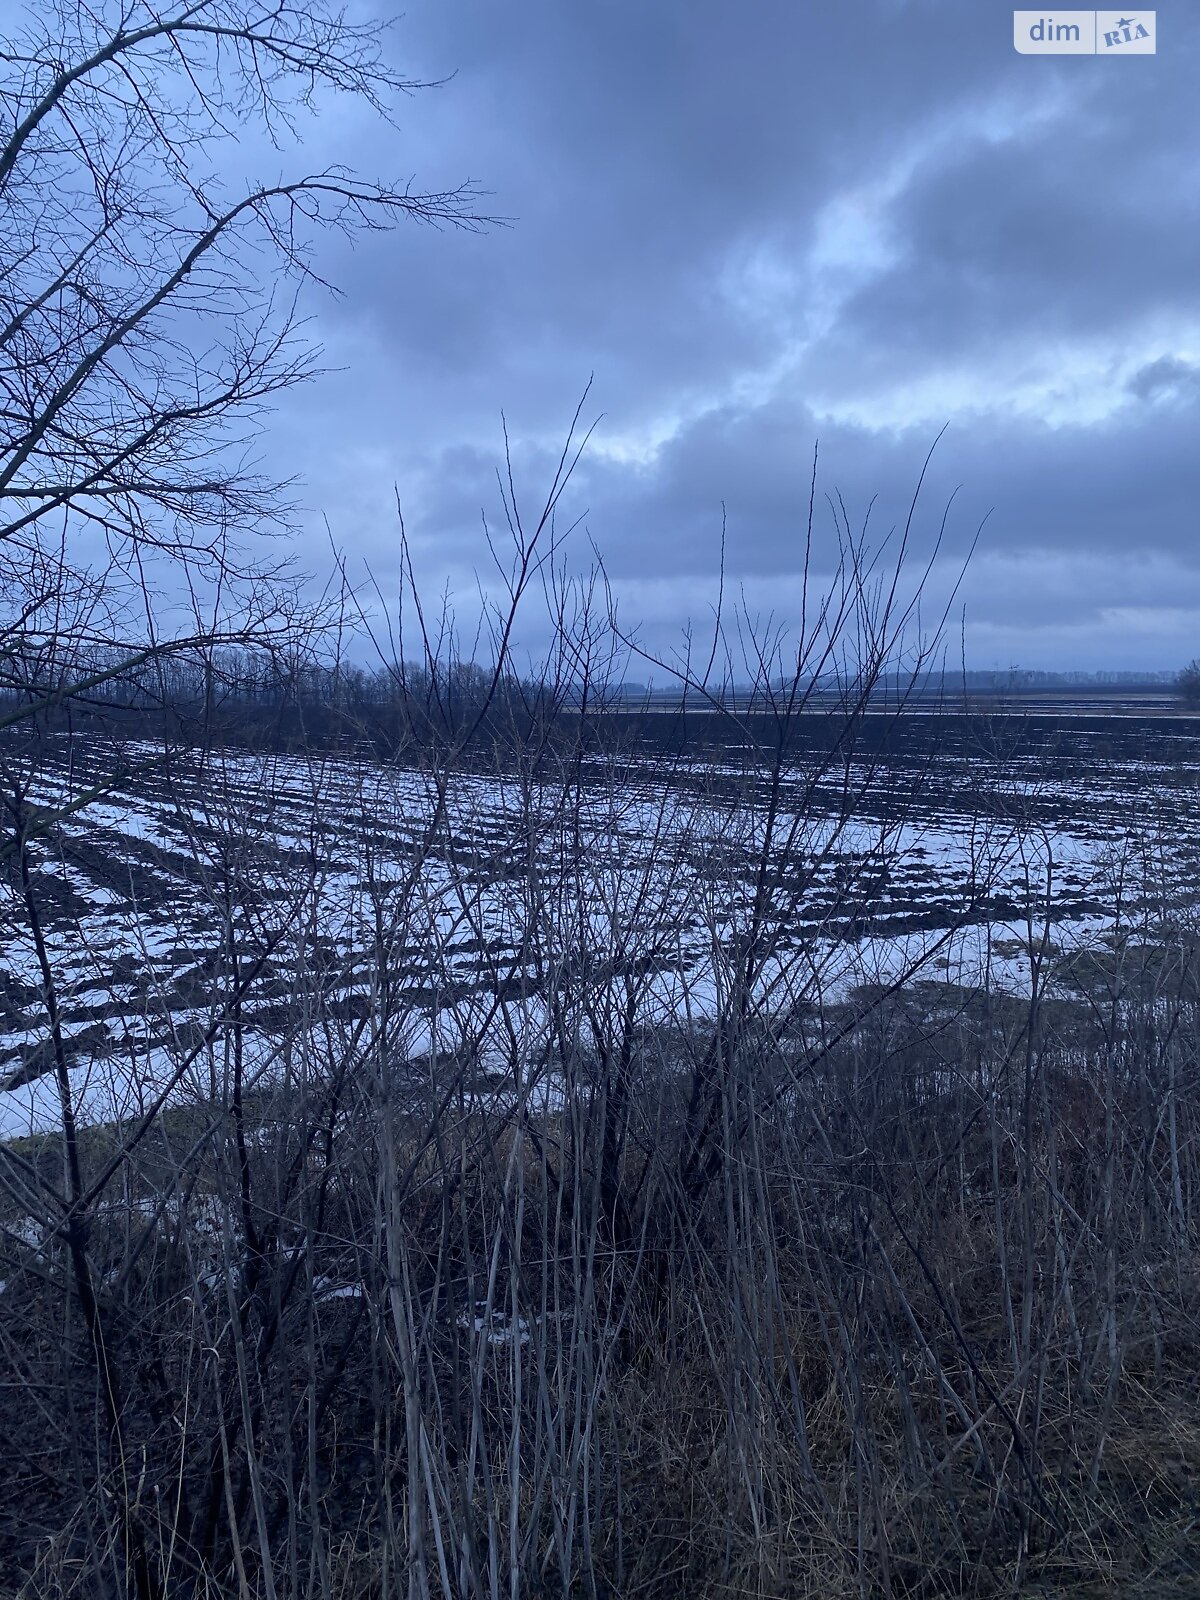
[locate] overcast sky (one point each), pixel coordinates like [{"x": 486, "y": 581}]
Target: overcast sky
[{"x": 761, "y": 225}]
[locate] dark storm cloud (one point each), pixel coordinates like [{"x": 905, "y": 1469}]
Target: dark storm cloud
[
  {"x": 644, "y": 153},
  {"x": 763, "y": 225},
  {"x": 1166, "y": 379},
  {"x": 1074, "y": 230}
]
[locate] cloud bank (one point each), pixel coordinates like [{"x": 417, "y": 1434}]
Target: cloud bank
[{"x": 763, "y": 228}]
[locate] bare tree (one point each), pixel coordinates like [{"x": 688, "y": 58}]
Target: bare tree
[
  {"x": 149, "y": 316},
  {"x": 148, "y": 297}
]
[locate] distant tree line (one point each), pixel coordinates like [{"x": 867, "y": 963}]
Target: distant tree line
[
  {"x": 1035, "y": 678},
  {"x": 281, "y": 700}
]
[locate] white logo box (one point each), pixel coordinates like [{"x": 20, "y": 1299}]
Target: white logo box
[{"x": 1085, "y": 33}]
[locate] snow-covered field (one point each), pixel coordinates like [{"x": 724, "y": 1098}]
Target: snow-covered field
[{"x": 479, "y": 912}]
